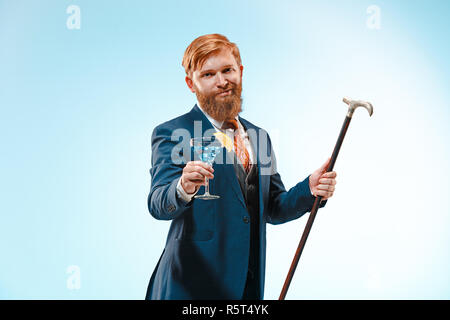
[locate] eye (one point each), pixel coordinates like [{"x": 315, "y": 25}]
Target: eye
[
  {"x": 208, "y": 74},
  {"x": 227, "y": 70}
]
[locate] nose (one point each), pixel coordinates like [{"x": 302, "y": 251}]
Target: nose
[{"x": 221, "y": 81}]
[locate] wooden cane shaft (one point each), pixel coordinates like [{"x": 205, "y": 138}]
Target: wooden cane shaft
[
  {"x": 338, "y": 145},
  {"x": 300, "y": 247}
]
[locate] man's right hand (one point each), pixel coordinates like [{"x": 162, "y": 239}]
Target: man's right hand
[{"x": 194, "y": 174}]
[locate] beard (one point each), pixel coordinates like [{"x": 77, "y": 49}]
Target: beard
[{"x": 222, "y": 108}]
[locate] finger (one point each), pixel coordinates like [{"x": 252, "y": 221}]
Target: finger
[
  {"x": 197, "y": 183},
  {"x": 324, "y": 194},
  {"x": 331, "y": 174},
  {"x": 320, "y": 193},
  {"x": 194, "y": 177},
  {"x": 194, "y": 164},
  {"x": 204, "y": 172},
  {"x": 325, "y": 187},
  {"x": 201, "y": 169},
  {"x": 327, "y": 181},
  {"x": 193, "y": 183}
]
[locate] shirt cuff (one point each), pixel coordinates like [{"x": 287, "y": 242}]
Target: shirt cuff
[
  {"x": 183, "y": 195},
  {"x": 309, "y": 186}
]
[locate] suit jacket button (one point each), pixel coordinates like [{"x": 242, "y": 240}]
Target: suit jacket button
[
  {"x": 246, "y": 219},
  {"x": 171, "y": 208}
]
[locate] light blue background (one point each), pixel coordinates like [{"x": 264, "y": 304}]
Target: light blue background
[{"x": 78, "y": 108}]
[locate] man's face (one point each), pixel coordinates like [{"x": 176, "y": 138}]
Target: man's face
[{"x": 218, "y": 86}]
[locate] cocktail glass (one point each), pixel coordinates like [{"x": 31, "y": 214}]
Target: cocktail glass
[{"x": 207, "y": 149}]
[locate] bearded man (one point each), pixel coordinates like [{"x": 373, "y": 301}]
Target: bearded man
[{"x": 216, "y": 249}]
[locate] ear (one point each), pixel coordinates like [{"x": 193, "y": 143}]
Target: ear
[
  {"x": 241, "y": 67},
  {"x": 190, "y": 84}
]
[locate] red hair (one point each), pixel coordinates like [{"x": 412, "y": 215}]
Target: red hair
[{"x": 203, "y": 47}]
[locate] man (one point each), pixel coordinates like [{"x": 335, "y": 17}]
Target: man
[{"x": 216, "y": 249}]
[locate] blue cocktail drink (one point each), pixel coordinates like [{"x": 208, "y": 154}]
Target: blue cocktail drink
[{"x": 207, "y": 154}]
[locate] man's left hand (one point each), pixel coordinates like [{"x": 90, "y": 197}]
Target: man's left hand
[{"x": 323, "y": 183}]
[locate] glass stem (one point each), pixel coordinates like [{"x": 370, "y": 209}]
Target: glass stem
[{"x": 206, "y": 185}]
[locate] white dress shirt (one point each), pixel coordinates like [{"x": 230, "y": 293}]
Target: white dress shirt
[{"x": 230, "y": 133}]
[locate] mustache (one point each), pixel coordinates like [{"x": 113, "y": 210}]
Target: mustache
[{"x": 230, "y": 87}]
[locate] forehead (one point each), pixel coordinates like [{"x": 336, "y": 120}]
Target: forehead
[{"x": 218, "y": 60}]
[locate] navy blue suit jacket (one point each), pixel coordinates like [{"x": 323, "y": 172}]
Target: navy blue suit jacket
[{"x": 207, "y": 248}]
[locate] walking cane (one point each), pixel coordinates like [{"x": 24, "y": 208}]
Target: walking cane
[{"x": 352, "y": 105}]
